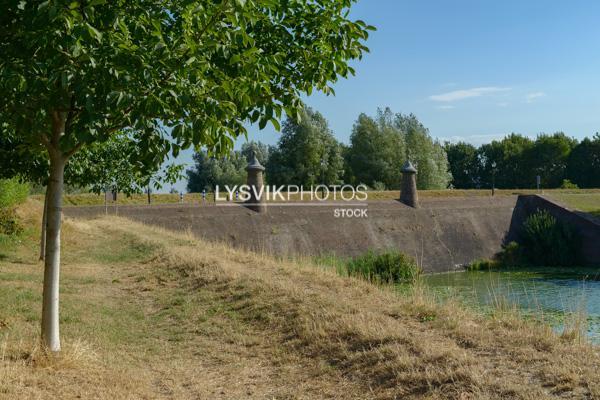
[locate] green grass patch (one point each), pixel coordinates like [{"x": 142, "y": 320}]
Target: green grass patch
[
  {"x": 586, "y": 202},
  {"x": 12, "y": 192},
  {"x": 119, "y": 249},
  {"x": 386, "y": 267},
  {"x": 383, "y": 267}
]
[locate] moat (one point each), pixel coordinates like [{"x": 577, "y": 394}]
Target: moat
[{"x": 550, "y": 294}]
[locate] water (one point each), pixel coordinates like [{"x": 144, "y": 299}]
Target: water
[{"x": 551, "y": 294}]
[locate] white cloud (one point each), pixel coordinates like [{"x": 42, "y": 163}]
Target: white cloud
[
  {"x": 535, "y": 95},
  {"x": 467, "y": 93},
  {"x": 445, "y": 107}
]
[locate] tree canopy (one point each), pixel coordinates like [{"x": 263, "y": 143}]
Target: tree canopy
[
  {"x": 463, "y": 161},
  {"x": 307, "y": 153},
  {"x": 583, "y": 164},
  {"x": 379, "y": 146},
  {"x": 210, "y": 171},
  {"x": 175, "y": 73}
]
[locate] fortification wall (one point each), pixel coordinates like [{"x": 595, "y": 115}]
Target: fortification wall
[
  {"x": 587, "y": 226},
  {"x": 442, "y": 235}
]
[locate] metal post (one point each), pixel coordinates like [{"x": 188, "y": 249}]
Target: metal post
[
  {"x": 493, "y": 178},
  {"x": 323, "y": 165}
]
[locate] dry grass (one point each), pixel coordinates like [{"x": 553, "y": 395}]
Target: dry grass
[{"x": 153, "y": 314}]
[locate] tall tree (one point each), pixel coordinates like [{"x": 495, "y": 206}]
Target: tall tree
[
  {"x": 376, "y": 151},
  {"x": 307, "y": 153},
  {"x": 74, "y": 73},
  {"x": 509, "y": 155},
  {"x": 548, "y": 158},
  {"x": 427, "y": 154},
  {"x": 463, "y": 164},
  {"x": 381, "y": 145},
  {"x": 583, "y": 164},
  {"x": 210, "y": 171}
]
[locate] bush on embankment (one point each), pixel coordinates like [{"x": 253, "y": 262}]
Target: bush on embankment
[
  {"x": 12, "y": 193},
  {"x": 544, "y": 242},
  {"x": 548, "y": 242}
]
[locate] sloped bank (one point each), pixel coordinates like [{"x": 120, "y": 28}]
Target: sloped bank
[
  {"x": 153, "y": 314},
  {"x": 443, "y": 234}
]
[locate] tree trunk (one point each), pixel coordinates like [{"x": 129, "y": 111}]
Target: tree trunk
[
  {"x": 50, "y": 321},
  {"x": 44, "y": 222}
]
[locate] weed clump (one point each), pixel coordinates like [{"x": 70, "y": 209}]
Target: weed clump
[
  {"x": 12, "y": 192},
  {"x": 548, "y": 242},
  {"x": 387, "y": 267},
  {"x": 10, "y": 224}
]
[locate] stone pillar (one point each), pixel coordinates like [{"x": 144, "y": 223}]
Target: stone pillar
[
  {"x": 408, "y": 190},
  {"x": 255, "y": 181}
]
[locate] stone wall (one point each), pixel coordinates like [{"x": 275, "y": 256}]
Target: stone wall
[
  {"x": 442, "y": 235},
  {"x": 587, "y": 226}
]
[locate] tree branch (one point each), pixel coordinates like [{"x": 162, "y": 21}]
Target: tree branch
[{"x": 74, "y": 150}]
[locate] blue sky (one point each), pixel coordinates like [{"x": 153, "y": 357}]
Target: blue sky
[{"x": 472, "y": 70}]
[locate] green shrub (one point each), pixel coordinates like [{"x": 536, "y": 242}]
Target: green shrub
[
  {"x": 511, "y": 255},
  {"x": 567, "y": 184},
  {"x": 9, "y": 222},
  {"x": 12, "y": 192},
  {"x": 388, "y": 267},
  {"x": 548, "y": 242}
]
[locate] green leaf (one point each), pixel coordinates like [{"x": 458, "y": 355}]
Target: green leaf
[
  {"x": 95, "y": 33},
  {"x": 276, "y": 124}
]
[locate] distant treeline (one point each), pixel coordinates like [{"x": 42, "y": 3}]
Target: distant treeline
[
  {"x": 308, "y": 153},
  {"x": 559, "y": 160}
]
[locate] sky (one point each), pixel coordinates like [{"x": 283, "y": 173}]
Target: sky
[{"x": 470, "y": 70}]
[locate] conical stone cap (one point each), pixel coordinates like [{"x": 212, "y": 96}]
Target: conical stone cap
[
  {"x": 254, "y": 165},
  {"x": 408, "y": 168}
]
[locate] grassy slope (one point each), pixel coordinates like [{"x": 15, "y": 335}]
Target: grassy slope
[
  {"x": 587, "y": 202},
  {"x": 152, "y": 314}
]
